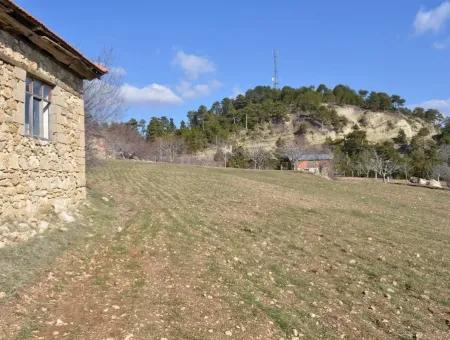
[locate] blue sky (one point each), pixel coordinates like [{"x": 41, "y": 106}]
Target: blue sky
[{"x": 176, "y": 55}]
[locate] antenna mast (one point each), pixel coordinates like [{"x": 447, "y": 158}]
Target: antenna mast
[{"x": 275, "y": 81}]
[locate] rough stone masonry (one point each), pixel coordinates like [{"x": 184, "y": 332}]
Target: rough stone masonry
[
  {"x": 34, "y": 172},
  {"x": 37, "y": 173}
]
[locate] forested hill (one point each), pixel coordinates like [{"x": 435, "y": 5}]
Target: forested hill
[{"x": 317, "y": 113}]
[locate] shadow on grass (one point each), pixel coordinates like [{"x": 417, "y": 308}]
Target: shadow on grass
[{"x": 21, "y": 264}]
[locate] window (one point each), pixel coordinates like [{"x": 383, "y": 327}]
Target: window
[{"x": 37, "y": 108}]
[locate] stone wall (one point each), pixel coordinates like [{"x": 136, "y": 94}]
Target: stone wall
[{"x": 35, "y": 174}]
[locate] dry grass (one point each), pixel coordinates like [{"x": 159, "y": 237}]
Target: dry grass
[{"x": 192, "y": 253}]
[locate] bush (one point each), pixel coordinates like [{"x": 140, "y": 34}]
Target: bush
[
  {"x": 238, "y": 158},
  {"x": 363, "y": 121},
  {"x": 301, "y": 129},
  {"x": 280, "y": 142},
  {"x": 390, "y": 125}
]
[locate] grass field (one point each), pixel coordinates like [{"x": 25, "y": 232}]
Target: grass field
[{"x": 180, "y": 252}]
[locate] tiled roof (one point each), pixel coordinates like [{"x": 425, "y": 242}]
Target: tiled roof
[
  {"x": 315, "y": 157},
  {"x": 16, "y": 20}
]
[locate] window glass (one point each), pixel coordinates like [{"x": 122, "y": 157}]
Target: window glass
[
  {"x": 45, "y": 120},
  {"x": 46, "y": 92},
  {"x": 37, "y": 88},
  {"x": 37, "y": 108},
  {"x": 27, "y": 113},
  {"x": 36, "y": 117}
]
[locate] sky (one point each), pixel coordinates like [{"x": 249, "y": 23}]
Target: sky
[{"x": 176, "y": 55}]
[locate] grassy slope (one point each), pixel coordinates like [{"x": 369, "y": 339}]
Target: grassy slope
[{"x": 190, "y": 253}]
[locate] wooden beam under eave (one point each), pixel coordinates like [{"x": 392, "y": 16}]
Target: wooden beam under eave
[{"x": 45, "y": 43}]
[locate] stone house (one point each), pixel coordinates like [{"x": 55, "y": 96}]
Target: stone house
[
  {"x": 42, "y": 145},
  {"x": 317, "y": 163}
]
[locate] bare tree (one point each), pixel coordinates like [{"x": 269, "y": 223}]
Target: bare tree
[
  {"x": 292, "y": 152},
  {"x": 103, "y": 101},
  {"x": 364, "y": 164},
  {"x": 442, "y": 169},
  {"x": 124, "y": 142},
  {"x": 223, "y": 153},
  {"x": 383, "y": 166},
  {"x": 170, "y": 147},
  {"x": 406, "y": 167},
  {"x": 258, "y": 156}
]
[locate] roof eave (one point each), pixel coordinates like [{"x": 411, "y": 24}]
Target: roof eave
[{"x": 22, "y": 23}]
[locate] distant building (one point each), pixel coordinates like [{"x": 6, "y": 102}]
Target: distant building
[{"x": 317, "y": 163}]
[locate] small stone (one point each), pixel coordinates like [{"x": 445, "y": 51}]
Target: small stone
[
  {"x": 425, "y": 297},
  {"x": 42, "y": 226},
  {"x": 60, "y": 323},
  {"x": 295, "y": 332},
  {"x": 66, "y": 217},
  {"x": 372, "y": 308},
  {"x": 387, "y": 296},
  {"x": 2, "y": 295},
  {"x": 115, "y": 307},
  {"x": 106, "y": 199},
  {"x": 228, "y": 333},
  {"x": 352, "y": 261},
  {"x": 418, "y": 335}
]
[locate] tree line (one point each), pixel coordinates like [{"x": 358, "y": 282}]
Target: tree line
[
  {"x": 354, "y": 155},
  {"x": 420, "y": 156},
  {"x": 265, "y": 105}
]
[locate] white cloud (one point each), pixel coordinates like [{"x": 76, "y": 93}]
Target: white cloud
[
  {"x": 153, "y": 94},
  {"x": 439, "y": 45},
  {"x": 432, "y": 20},
  {"x": 443, "y": 105},
  {"x": 442, "y": 45},
  {"x": 188, "y": 90},
  {"x": 118, "y": 71},
  {"x": 194, "y": 65}
]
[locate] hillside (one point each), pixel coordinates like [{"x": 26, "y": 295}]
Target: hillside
[
  {"x": 379, "y": 127},
  {"x": 178, "y": 252}
]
